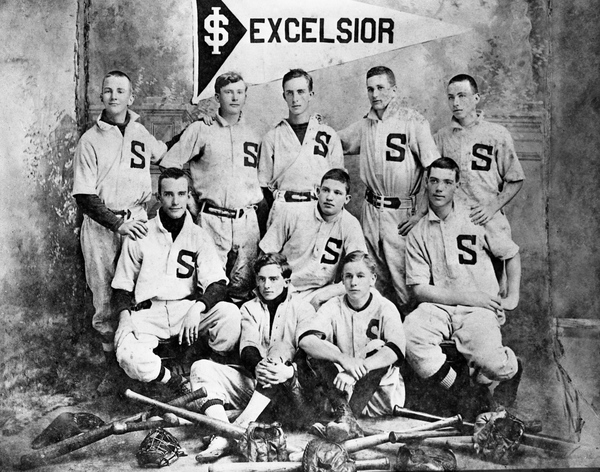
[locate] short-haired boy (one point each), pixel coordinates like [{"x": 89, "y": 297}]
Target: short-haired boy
[
  {"x": 112, "y": 186},
  {"x": 449, "y": 269},
  {"x": 223, "y": 160},
  {"x": 299, "y": 150},
  {"x": 315, "y": 238},
  {"x": 269, "y": 341},
  {"x": 354, "y": 345},
  {"x": 171, "y": 284}
]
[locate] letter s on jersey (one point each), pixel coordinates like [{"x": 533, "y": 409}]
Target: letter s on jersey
[
  {"x": 470, "y": 256},
  {"x": 136, "y": 149},
  {"x": 250, "y": 154},
  {"x": 396, "y": 142},
  {"x": 332, "y": 251},
  {"x": 187, "y": 261},
  {"x": 486, "y": 158},
  {"x": 322, "y": 147}
]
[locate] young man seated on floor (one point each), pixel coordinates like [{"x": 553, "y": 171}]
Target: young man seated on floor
[
  {"x": 269, "y": 341},
  {"x": 353, "y": 348}
]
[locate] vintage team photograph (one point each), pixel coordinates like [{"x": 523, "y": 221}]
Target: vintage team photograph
[{"x": 328, "y": 235}]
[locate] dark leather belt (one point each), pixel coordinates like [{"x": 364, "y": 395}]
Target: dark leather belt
[
  {"x": 291, "y": 196},
  {"x": 391, "y": 203},
  {"x": 226, "y": 212}
]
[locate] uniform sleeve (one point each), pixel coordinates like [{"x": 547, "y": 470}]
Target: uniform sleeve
[
  {"x": 250, "y": 336},
  {"x": 336, "y": 153},
  {"x": 128, "y": 266},
  {"x": 208, "y": 265},
  {"x": 509, "y": 166},
  {"x": 354, "y": 239},
  {"x": 423, "y": 144},
  {"x": 418, "y": 269},
  {"x": 190, "y": 144},
  {"x": 157, "y": 150},
  {"x": 497, "y": 238},
  {"x": 266, "y": 159},
  {"x": 321, "y": 324},
  {"x": 393, "y": 331},
  {"x": 350, "y": 137},
  {"x": 277, "y": 234},
  {"x": 85, "y": 164},
  {"x": 286, "y": 348}
]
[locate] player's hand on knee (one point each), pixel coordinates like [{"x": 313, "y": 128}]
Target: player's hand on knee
[
  {"x": 274, "y": 372},
  {"x": 354, "y": 367},
  {"x": 135, "y": 229},
  {"x": 126, "y": 326},
  {"x": 510, "y": 303},
  {"x": 484, "y": 300},
  {"x": 189, "y": 330},
  {"x": 344, "y": 382}
]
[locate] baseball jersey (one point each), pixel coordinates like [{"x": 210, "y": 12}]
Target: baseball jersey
[
  {"x": 280, "y": 339},
  {"x": 486, "y": 156},
  {"x": 114, "y": 166},
  {"x": 158, "y": 267},
  {"x": 313, "y": 246},
  {"x": 454, "y": 253},
  {"x": 287, "y": 164},
  {"x": 393, "y": 150},
  {"x": 224, "y": 161}
]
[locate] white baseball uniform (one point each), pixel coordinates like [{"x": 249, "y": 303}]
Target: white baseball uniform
[
  {"x": 115, "y": 167},
  {"x": 170, "y": 274},
  {"x": 293, "y": 170},
  {"x": 393, "y": 153},
  {"x": 277, "y": 339},
  {"x": 454, "y": 253},
  {"x": 313, "y": 247},
  {"x": 486, "y": 155},
  {"x": 223, "y": 165},
  {"x": 358, "y": 333}
]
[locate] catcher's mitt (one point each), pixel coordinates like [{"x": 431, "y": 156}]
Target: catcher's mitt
[
  {"x": 159, "y": 449},
  {"x": 497, "y": 435},
  {"x": 417, "y": 458},
  {"x": 325, "y": 456},
  {"x": 263, "y": 443}
]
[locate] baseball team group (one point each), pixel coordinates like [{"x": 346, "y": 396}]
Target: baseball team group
[{"x": 253, "y": 252}]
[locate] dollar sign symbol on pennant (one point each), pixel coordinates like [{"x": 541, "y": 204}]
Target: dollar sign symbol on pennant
[{"x": 218, "y": 35}]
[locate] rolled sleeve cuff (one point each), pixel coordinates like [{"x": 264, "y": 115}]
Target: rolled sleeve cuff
[
  {"x": 315, "y": 332},
  {"x": 397, "y": 351}
]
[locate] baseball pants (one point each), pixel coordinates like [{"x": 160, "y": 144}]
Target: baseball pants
[
  {"x": 476, "y": 332},
  {"x": 230, "y": 384},
  {"x": 162, "y": 321},
  {"x": 101, "y": 248},
  {"x": 237, "y": 241},
  {"x": 387, "y": 247}
]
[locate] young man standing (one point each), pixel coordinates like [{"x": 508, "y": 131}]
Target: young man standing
[
  {"x": 268, "y": 344},
  {"x": 223, "y": 164},
  {"x": 491, "y": 174},
  {"x": 112, "y": 185},
  {"x": 395, "y": 145},
  {"x": 448, "y": 266},
  {"x": 299, "y": 150},
  {"x": 353, "y": 346},
  {"x": 315, "y": 238},
  {"x": 169, "y": 284}
]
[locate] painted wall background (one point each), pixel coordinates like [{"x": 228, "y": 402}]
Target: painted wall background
[{"x": 512, "y": 49}]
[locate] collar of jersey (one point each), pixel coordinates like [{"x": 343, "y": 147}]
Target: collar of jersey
[
  {"x": 320, "y": 218},
  {"x": 433, "y": 217},
  {"x": 103, "y": 125},
  {"x": 456, "y": 125},
  {"x": 162, "y": 229},
  {"x": 287, "y": 299},
  {"x": 223, "y": 122},
  {"x": 315, "y": 117},
  {"x": 390, "y": 110}
]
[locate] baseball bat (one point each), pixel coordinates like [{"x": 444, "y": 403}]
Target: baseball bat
[
  {"x": 221, "y": 427},
  {"x": 355, "y": 445},
  {"x": 370, "y": 464},
  {"x": 44, "y": 455},
  {"x": 465, "y": 444},
  {"x": 548, "y": 443}
]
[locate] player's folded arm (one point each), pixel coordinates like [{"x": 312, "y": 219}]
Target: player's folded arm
[{"x": 216, "y": 292}]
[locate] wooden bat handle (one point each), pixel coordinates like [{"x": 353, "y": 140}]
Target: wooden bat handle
[
  {"x": 218, "y": 426},
  {"x": 408, "y": 436}
]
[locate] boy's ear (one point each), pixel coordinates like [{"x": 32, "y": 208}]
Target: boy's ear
[
  {"x": 348, "y": 198},
  {"x": 131, "y": 100}
]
